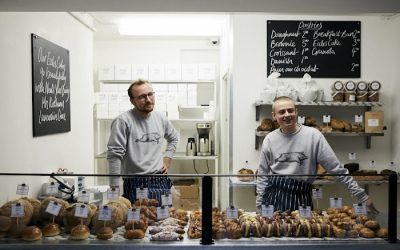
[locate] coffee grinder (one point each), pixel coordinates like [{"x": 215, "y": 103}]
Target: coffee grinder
[{"x": 204, "y": 145}]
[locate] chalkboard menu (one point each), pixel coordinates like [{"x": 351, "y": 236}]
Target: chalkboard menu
[
  {"x": 50, "y": 88},
  {"x": 324, "y": 49}
]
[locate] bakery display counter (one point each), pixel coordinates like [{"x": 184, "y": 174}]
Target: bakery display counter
[{"x": 148, "y": 223}]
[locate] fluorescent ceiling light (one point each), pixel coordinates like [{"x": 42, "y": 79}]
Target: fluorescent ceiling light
[{"x": 167, "y": 25}]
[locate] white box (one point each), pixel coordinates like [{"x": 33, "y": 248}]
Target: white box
[
  {"x": 161, "y": 97},
  {"x": 102, "y": 110},
  {"x": 182, "y": 98},
  {"x": 124, "y": 107},
  {"x": 113, "y": 107},
  {"x": 113, "y": 98},
  {"x": 101, "y": 97},
  {"x": 172, "y": 88},
  {"x": 113, "y": 114},
  {"x": 106, "y": 72},
  {"x": 124, "y": 99},
  {"x": 192, "y": 99},
  {"x": 123, "y": 72},
  {"x": 206, "y": 71},
  {"x": 172, "y": 98},
  {"x": 173, "y": 72},
  {"x": 173, "y": 115},
  {"x": 140, "y": 71},
  {"x": 189, "y": 72},
  {"x": 156, "y": 72},
  {"x": 107, "y": 87},
  {"x": 172, "y": 107},
  {"x": 161, "y": 107},
  {"x": 160, "y": 87}
]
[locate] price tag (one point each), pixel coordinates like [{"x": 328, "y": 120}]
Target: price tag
[
  {"x": 17, "y": 210},
  {"x": 326, "y": 118},
  {"x": 52, "y": 188},
  {"x": 317, "y": 193},
  {"x": 166, "y": 200},
  {"x": 81, "y": 210},
  {"x": 360, "y": 208},
  {"x": 162, "y": 212},
  {"x": 112, "y": 193},
  {"x": 105, "y": 213},
  {"x": 22, "y": 189},
  {"x": 352, "y": 156},
  {"x": 53, "y": 208},
  {"x": 267, "y": 211},
  {"x": 83, "y": 196},
  {"x": 372, "y": 164},
  {"x": 142, "y": 193},
  {"x": 305, "y": 211},
  {"x": 231, "y": 212},
  {"x": 301, "y": 119},
  {"x": 358, "y": 118},
  {"x": 133, "y": 214},
  {"x": 335, "y": 202},
  {"x": 392, "y": 165}
]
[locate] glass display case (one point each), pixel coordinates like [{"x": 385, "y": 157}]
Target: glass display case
[{"x": 66, "y": 210}]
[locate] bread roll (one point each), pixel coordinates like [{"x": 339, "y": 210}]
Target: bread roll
[
  {"x": 245, "y": 171},
  {"x": 104, "y": 233},
  {"x": 31, "y": 233},
  {"x": 36, "y": 209},
  {"x": 51, "y": 229},
  {"x": 372, "y": 224},
  {"x": 79, "y": 232},
  {"x": 382, "y": 233},
  {"x": 134, "y": 234}
]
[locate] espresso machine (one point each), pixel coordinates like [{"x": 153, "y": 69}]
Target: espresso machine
[{"x": 204, "y": 143}]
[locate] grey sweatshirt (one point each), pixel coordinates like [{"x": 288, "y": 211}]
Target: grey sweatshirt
[
  {"x": 135, "y": 144},
  {"x": 300, "y": 153}
]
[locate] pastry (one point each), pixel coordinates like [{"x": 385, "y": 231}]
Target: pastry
[
  {"x": 266, "y": 125},
  {"x": 372, "y": 224},
  {"x": 51, "y": 229},
  {"x": 382, "y": 233},
  {"x": 70, "y": 220},
  {"x": 31, "y": 233},
  {"x": 366, "y": 233},
  {"x": 104, "y": 233},
  {"x": 79, "y": 232}
]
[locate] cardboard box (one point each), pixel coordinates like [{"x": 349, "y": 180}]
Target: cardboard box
[
  {"x": 374, "y": 121},
  {"x": 187, "y": 204}
]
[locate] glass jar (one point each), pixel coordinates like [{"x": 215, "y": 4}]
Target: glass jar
[
  {"x": 350, "y": 96},
  {"x": 337, "y": 96}
]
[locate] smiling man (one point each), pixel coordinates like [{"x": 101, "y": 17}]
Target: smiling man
[
  {"x": 294, "y": 149},
  {"x": 135, "y": 145}
]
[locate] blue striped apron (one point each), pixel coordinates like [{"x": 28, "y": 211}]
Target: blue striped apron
[{"x": 157, "y": 186}]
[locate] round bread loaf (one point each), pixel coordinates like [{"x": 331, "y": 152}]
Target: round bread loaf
[
  {"x": 36, "y": 209},
  {"x": 31, "y": 233},
  {"x": 134, "y": 234},
  {"x": 5, "y": 210},
  {"x": 79, "y": 232},
  {"x": 372, "y": 224},
  {"x": 117, "y": 218},
  {"x": 70, "y": 220},
  {"x": 245, "y": 171},
  {"x": 104, "y": 233},
  {"x": 46, "y": 217},
  {"x": 51, "y": 229},
  {"x": 5, "y": 223},
  {"x": 15, "y": 231}
]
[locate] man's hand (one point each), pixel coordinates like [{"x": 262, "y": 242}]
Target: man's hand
[
  {"x": 166, "y": 165},
  {"x": 371, "y": 208}
]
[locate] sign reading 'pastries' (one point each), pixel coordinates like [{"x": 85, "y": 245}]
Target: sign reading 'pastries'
[
  {"x": 324, "y": 49},
  {"x": 50, "y": 88}
]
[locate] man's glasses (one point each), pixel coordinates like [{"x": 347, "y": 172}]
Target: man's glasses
[{"x": 144, "y": 96}]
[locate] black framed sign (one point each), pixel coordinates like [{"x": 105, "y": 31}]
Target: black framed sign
[
  {"x": 50, "y": 88},
  {"x": 324, "y": 49}
]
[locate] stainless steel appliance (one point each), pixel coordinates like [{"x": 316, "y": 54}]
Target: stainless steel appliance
[
  {"x": 191, "y": 147},
  {"x": 203, "y": 131}
]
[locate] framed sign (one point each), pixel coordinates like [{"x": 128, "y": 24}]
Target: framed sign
[
  {"x": 51, "y": 97},
  {"x": 323, "y": 49}
]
